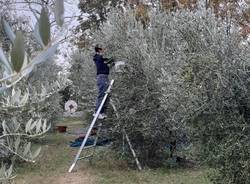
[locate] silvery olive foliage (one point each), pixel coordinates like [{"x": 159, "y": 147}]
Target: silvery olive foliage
[
  {"x": 48, "y": 79},
  {"x": 97, "y": 12},
  {"x": 184, "y": 73},
  {"x": 138, "y": 92},
  {"x": 82, "y": 75},
  {"x": 23, "y": 98},
  {"x": 215, "y": 76}
]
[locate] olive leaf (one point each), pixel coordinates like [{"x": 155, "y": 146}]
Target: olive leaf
[
  {"x": 38, "y": 126},
  {"x": 37, "y": 35},
  {"x": 27, "y": 148},
  {"x": 17, "y": 53},
  {"x": 59, "y": 12},
  {"x": 9, "y": 171},
  {"x": 8, "y": 30},
  {"x": 17, "y": 143},
  {"x": 44, "y": 26},
  {"x": 28, "y": 125}
]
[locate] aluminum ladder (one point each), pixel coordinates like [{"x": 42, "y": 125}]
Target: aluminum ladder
[{"x": 88, "y": 134}]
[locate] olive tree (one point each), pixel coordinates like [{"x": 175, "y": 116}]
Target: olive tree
[
  {"x": 184, "y": 73},
  {"x": 18, "y": 96}
]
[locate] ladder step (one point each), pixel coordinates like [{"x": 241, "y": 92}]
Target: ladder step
[
  {"x": 88, "y": 147},
  {"x": 90, "y": 129},
  {"x": 85, "y": 157}
]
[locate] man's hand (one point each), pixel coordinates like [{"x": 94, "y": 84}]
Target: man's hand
[
  {"x": 109, "y": 61},
  {"x": 111, "y": 65}
]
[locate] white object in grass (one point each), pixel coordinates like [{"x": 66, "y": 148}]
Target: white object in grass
[{"x": 70, "y": 106}]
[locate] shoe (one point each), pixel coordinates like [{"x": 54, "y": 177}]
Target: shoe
[
  {"x": 101, "y": 116},
  {"x": 104, "y": 115}
]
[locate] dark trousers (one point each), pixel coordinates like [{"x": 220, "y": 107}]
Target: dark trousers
[{"x": 102, "y": 84}]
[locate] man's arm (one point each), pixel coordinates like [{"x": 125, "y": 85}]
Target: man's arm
[
  {"x": 105, "y": 59},
  {"x": 108, "y": 60}
]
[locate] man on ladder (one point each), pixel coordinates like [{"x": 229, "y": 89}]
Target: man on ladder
[
  {"x": 104, "y": 88},
  {"x": 102, "y": 71}
]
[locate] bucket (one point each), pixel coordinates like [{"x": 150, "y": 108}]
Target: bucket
[{"x": 62, "y": 129}]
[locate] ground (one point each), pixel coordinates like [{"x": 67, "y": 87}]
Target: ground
[{"x": 53, "y": 164}]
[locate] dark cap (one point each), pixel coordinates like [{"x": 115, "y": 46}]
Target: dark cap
[{"x": 98, "y": 48}]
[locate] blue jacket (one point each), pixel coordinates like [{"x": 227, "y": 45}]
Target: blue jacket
[{"x": 101, "y": 66}]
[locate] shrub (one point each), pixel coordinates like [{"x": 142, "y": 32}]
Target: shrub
[
  {"x": 20, "y": 103},
  {"x": 185, "y": 73}
]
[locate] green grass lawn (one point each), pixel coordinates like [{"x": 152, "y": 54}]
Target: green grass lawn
[
  {"x": 110, "y": 170},
  {"x": 158, "y": 176},
  {"x": 53, "y": 164}
]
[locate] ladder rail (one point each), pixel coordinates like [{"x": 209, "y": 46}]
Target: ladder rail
[
  {"x": 91, "y": 127},
  {"x": 96, "y": 139},
  {"x": 127, "y": 138},
  {"x": 91, "y": 155}
]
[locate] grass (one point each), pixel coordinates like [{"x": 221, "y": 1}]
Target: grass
[
  {"x": 110, "y": 170},
  {"x": 159, "y": 176},
  {"x": 56, "y": 157}
]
